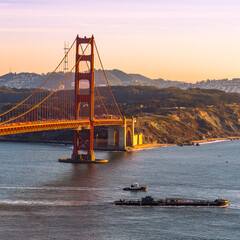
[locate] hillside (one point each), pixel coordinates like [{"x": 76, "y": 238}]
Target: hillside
[
  {"x": 186, "y": 125},
  {"x": 170, "y": 115},
  {"x": 139, "y": 99}
]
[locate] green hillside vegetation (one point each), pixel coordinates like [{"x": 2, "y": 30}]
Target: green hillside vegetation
[
  {"x": 136, "y": 99},
  {"x": 13, "y": 95},
  {"x": 142, "y": 98},
  {"x": 173, "y": 96}
]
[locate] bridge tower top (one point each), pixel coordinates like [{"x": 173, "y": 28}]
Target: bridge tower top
[{"x": 84, "y": 76}]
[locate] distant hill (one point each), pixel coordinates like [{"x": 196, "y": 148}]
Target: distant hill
[{"x": 120, "y": 78}]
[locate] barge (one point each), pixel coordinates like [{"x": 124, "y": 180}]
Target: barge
[{"x": 150, "y": 201}]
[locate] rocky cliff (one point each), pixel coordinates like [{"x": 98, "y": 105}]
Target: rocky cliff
[{"x": 185, "y": 125}]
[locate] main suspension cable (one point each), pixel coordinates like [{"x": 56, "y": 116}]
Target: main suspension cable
[
  {"x": 107, "y": 80},
  {"x": 41, "y": 84},
  {"x": 10, "y": 120}
]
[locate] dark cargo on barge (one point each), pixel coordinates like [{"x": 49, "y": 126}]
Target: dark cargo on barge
[{"x": 150, "y": 201}]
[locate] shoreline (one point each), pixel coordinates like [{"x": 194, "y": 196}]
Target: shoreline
[
  {"x": 148, "y": 145},
  {"x": 194, "y": 143},
  {"x": 210, "y": 140}
]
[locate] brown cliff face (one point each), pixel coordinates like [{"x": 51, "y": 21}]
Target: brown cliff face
[{"x": 183, "y": 125}]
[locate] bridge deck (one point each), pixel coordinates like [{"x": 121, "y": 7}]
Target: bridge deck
[{"x": 25, "y": 127}]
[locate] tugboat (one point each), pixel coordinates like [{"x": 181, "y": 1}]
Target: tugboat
[
  {"x": 135, "y": 187},
  {"x": 150, "y": 201}
]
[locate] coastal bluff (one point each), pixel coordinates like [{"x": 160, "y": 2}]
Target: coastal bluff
[{"x": 185, "y": 125}]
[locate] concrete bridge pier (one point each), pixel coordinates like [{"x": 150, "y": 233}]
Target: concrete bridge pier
[{"x": 120, "y": 137}]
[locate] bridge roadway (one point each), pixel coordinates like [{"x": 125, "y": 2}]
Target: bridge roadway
[{"x": 24, "y": 127}]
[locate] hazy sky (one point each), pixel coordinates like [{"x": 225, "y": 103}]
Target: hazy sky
[{"x": 187, "y": 40}]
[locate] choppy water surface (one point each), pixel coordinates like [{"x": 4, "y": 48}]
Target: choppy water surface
[{"x": 41, "y": 198}]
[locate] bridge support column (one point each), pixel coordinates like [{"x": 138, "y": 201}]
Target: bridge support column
[{"x": 82, "y": 141}]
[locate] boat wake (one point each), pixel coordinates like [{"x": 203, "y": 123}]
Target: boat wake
[
  {"x": 57, "y": 203},
  {"x": 60, "y": 188}
]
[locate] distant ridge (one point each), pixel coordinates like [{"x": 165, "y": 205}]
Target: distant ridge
[{"x": 119, "y": 78}]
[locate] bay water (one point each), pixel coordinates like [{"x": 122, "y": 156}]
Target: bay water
[{"x": 41, "y": 198}]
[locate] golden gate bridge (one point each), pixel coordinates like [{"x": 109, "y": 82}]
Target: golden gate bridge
[{"x": 72, "y": 99}]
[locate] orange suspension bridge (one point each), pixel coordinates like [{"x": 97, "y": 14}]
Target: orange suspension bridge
[{"x": 70, "y": 98}]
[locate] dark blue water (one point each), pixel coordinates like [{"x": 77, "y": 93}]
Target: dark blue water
[{"x": 41, "y": 198}]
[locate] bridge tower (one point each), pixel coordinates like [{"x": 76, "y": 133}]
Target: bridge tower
[{"x": 83, "y": 138}]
